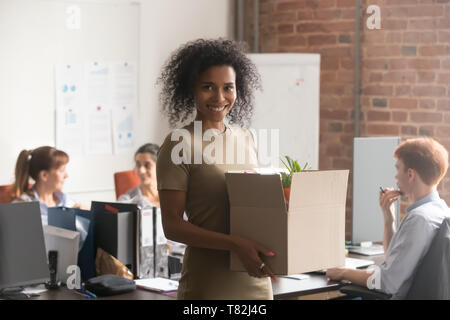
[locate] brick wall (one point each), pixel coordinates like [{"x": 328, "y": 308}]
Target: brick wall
[
  {"x": 405, "y": 70},
  {"x": 406, "y": 73}
]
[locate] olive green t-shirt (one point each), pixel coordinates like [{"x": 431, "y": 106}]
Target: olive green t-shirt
[{"x": 201, "y": 174}]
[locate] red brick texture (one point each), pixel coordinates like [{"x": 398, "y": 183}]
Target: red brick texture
[{"x": 405, "y": 69}]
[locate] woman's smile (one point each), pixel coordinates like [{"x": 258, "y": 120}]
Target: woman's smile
[{"x": 216, "y": 108}]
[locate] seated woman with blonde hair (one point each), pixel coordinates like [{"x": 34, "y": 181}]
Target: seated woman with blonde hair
[{"x": 47, "y": 167}]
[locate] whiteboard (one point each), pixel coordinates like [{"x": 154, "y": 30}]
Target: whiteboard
[
  {"x": 373, "y": 167},
  {"x": 289, "y": 103},
  {"x": 35, "y": 37}
]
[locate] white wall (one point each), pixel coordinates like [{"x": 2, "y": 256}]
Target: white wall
[{"x": 164, "y": 25}]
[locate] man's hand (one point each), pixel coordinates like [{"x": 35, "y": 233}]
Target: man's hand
[
  {"x": 387, "y": 199},
  {"x": 336, "y": 274}
]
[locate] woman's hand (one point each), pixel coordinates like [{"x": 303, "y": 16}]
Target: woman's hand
[
  {"x": 81, "y": 206},
  {"x": 248, "y": 252},
  {"x": 387, "y": 199}
]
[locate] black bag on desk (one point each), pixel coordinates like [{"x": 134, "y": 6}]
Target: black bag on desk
[{"x": 109, "y": 285}]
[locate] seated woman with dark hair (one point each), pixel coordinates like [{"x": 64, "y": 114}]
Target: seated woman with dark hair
[
  {"x": 146, "y": 193},
  {"x": 146, "y": 196}
]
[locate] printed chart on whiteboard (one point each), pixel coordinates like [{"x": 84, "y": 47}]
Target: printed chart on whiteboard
[{"x": 96, "y": 106}]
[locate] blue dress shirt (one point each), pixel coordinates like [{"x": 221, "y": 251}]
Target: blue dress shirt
[{"x": 410, "y": 243}]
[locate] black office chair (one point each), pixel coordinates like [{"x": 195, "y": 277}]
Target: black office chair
[{"x": 432, "y": 279}]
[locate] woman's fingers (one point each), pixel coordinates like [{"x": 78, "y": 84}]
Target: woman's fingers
[
  {"x": 268, "y": 272},
  {"x": 261, "y": 249},
  {"x": 249, "y": 252},
  {"x": 263, "y": 270}
]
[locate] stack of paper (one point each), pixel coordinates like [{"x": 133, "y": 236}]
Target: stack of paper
[{"x": 157, "y": 284}]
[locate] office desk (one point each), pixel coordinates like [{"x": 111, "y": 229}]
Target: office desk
[
  {"x": 139, "y": 294},
  {"x": 282, "y": 288},
  {"x": 289, "y": 288}
]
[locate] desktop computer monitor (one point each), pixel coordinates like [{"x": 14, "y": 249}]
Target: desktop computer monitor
[
  {"x": 373, "y": 167},
  {"x": 66, "y": 243},
  {"x": 23, "y": 259}
]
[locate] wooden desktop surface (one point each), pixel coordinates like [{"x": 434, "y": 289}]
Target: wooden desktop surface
[
  {"x": 138, "y": 294},
  {"x": 316, "y": 283},
  {"x": 283, "y": 288},
  {"x": 286, "y": 288}
]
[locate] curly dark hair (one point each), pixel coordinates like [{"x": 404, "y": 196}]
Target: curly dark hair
[{"x": 182, "y": 70}]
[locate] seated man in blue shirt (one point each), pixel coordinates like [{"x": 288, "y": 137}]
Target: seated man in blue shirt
[{"x": 421, "y": 165}]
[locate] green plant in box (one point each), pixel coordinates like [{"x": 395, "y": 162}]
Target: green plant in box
[{"x": 292, "y": 166}]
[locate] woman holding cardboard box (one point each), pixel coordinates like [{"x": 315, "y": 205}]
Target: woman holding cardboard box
[{"x": 213, "y": 80}]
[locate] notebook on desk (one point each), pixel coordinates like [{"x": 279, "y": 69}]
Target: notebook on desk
[
  {"x": 157, "y": 284},
  {"x": 372, "y": 250},
  {"x": 351, "y": 263}
]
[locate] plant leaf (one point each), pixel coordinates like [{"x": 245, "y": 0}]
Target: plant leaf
[
  {"x": 291, "y": 165},
  {"x": 297, "y": 167},
  {"x": 285, "y": 180},
  {"x": 281, "y": 159},
  {"x": 284, "y": 164}
]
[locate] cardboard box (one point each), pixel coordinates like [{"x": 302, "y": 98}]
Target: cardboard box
[{"x": 310, "y": 237}]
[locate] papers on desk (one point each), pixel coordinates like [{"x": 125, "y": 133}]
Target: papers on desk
[
  {"x": 353, "y": 263},
  {"x": 34, "y": 291},
  {"x": 372, "y": 250},
  {"x": 157, "y": 284},
  {"x": 299, "y": 276}
]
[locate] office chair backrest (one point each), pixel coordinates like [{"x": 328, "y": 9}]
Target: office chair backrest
[
  {"x": 6, "y": 195},
  {"x": 432, "y": 279},
  {"x": 124, "y": 181}
]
